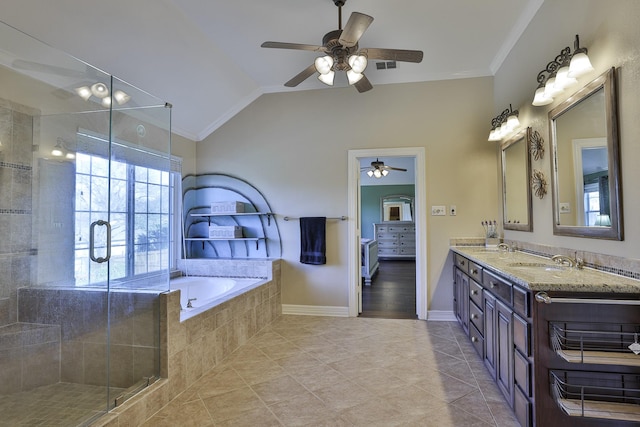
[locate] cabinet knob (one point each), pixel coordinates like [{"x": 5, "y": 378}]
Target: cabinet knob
[
  {"x": 474, "y": 339},
  {"x": 492, "y": 284},
  {"x": 474, "y": 271},
  {"x": 474, "y": 316},
  {"x": 461, "y": 262},
  {"x": 474, "y": 292}
]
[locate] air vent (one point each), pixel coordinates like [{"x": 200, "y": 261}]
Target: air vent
[{"x": 385, "y": 65}]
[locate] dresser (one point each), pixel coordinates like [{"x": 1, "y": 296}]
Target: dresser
[{"x": 396, "y": 240}]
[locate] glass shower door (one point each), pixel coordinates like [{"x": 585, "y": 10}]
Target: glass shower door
[{"x": 85, "y": 186}]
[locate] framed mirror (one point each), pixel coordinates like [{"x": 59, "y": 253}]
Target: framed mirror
[
  {"x": 585, "y": 159},
  {"x": 516, "y": 191},
  {"x": 397, "y": 207}
]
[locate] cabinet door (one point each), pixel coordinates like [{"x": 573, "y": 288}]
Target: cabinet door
[
  {"x": 462, "y": 299},
  {"x": 489, "y": 309},
  {"x": 504, "y": 350}
]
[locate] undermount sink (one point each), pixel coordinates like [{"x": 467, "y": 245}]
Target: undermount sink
[{"x": 545, "y": 266}]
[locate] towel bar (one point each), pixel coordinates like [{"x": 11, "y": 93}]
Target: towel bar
[{"x": 341, "y": 218}]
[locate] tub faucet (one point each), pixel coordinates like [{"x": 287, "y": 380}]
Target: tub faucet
[{"x": 189, "y": 305}]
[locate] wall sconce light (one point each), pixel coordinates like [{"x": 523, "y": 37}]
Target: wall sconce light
[
  {"x": 561, "y": 73},
  {"x": 61, "y": 150},
  {"x": 504, "y": 124}
]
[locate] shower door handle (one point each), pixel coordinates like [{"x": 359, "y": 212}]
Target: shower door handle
[{"x": 99, "y": 260}]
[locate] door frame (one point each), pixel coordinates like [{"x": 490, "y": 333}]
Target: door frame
[{"x": 354, "y": 226}]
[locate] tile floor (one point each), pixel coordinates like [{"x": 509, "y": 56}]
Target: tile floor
[
  {"x": 324, "y": 371},
  {"x": 55, "y": 405}
]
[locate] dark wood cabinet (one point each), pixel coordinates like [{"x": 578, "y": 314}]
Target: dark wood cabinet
[
  {"x": 504, "y": 350},
  {"x": 489, "y": 305},
  {"x": 461, "y": 285}
]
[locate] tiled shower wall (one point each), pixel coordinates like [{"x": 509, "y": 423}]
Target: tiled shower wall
[{"x": 16, "y": 256}]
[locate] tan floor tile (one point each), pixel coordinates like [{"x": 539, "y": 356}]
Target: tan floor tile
[
  {"x": 278, "y": 389},
  {"x": 317, "y": 376},
  {"x": 257, "y": 372},
  {"x": 296, "y": 361},
  {"x": 445, "y": 387},
  {"x": 280, "y": 350},
  {"x": 222, "y": 382},
  {"x": 475, "y": 404},
  {"x": 302, "y": 410},
  {"x": 190, "y": 414},
  {"x": 342, "y": 395},
  {"x": 414, "y": 401},
  {"x": 454, "y": 417},
  {"x": 261, "y": 417},
  {"x": 374, "y": 412},
  {"x": 231, "y": 405},
  {"x": 380, "y": 381}
]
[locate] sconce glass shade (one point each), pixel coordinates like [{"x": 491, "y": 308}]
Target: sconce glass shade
[
  {"x": 563, "y": 81},
  {"x": 327, "y": 78},
  {"x": 354, "y": 77},
  {"x": 323, "y": 64},
  {"x": 385, "y": 172},
  {"x": 370, "y": 173},
  {"x": 357, "y": 63},
  {"x": 580, "y": 64},
  {"x": 70, "y": 155},
  {"x": 57, "y": 151},
  {"x": 551, "y": 89},
  {"x": 513, "y": 122},
  {"x": 377, "y": 173},
  {"x": 540, "y": 98}
]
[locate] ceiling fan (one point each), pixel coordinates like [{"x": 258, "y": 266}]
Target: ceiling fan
[
  {"x": 341, "y": 53},
  {"x": 378, "y": 169}
]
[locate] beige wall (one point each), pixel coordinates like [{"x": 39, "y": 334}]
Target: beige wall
[
  {"x": 610, "y": 31},
  {"x": 293, "y": 148}
]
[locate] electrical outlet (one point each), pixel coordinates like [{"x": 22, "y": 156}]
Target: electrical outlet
[
  {"x": 438, "y": 210},
  {"x": 452, "y": 210}
]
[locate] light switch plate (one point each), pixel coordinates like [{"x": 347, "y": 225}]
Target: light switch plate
[{"x": 438, "y": 210}]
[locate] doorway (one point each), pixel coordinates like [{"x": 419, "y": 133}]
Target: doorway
[{"x": 355, "y": 226}]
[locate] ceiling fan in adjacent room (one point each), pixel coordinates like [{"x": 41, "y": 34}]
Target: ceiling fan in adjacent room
[
  {"x": 342, "y": 53},
  {"x": 378, "y": 169}
]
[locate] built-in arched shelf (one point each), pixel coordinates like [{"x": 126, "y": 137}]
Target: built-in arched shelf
[{"x": 261, "y": 237}]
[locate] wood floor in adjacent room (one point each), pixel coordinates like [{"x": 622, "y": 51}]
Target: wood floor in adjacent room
[{"x": 392, "y": 293}]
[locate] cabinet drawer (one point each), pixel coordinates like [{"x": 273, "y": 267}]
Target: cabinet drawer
[
  {"x": 387, "y": 251},
  {"x": 475, "y": 271},
  {"x": 476, "y": 339},
  {"x": 387, "y": 243},
  {"x": 409, "y": 237},
  {"x": 475, "y": 292},
  {"x": 522, "y": 302},
  {"x": 497, "y": 286},
  {"x": 522, "y": 373},
  {"x": 400, "y": 228},
  {"x": 462, "y": 263},
  {"x": 404, "y": 250},
  {"x": 522, "y": 335},
  {"x": 476, "y": 317},
  {"x": 522, "y": 408}
]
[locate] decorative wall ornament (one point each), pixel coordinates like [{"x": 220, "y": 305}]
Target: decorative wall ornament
[
  {"x": 538, "y": 183},
  {"x": 536, "y": 146}
]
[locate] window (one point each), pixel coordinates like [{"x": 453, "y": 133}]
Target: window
[
  {"x": 141, "y": 201},
  {"x": 591, "y": 204}
]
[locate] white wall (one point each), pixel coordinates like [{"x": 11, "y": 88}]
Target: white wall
[
  {"x": 293, "y": 148},
  {"x": 610, "y": 31}
]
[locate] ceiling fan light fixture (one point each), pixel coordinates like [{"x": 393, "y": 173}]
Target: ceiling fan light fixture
[
  {"x": 106, "y": 102},
  {"x": 377, "y": 173},
  {"x": 121, "y": 97},
  {"x": 323, "y": 64},
  {"x": 84, "y": 92},
  {"x": 385, "y": 172},
  {"x": 327, "y": 78},
  {"x": 370, "y": 173},
  {"x": 354, "y": 77},
  {"x": 100, "y": 90},
  {"x": 358, "y": 63}
]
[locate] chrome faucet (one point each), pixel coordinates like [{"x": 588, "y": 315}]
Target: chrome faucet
[
  {"x": 189, "y": 305},
  {"x": 568, "y": 261},
  {"x": 504, "y": 247}
]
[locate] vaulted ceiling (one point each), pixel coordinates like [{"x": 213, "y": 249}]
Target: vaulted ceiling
[{"x": 204, "y": 56}]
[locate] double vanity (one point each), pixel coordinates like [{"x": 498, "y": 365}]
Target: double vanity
[{"x": 557, "y": 338}]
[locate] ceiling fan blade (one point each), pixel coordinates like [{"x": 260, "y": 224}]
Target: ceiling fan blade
[
  {"x": 295, "y": 46},
  {"x": 46, "y": 68},
  {"x": 394, "y": 54},
  {"x": 363, "y": 84},
  {"x": 355, "y": 28},
  {"x": 395, "y": 169},
  {"x": 302, "y": 76}
]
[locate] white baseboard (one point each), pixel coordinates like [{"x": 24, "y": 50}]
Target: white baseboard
[
  {"x": 315, "y": 310},
  {"x": 441, "y": 316}
]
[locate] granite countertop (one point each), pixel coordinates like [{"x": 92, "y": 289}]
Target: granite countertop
[{"x": 538, "y": 273}]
